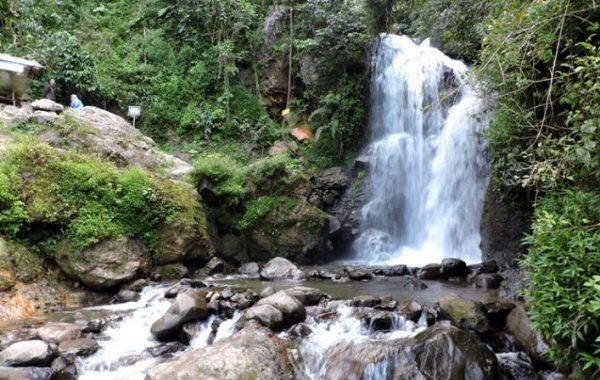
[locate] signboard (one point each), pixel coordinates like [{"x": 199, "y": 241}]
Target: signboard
[{"x": 134, "y": 111}]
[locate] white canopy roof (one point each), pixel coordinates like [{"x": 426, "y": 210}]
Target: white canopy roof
[{"x": 15, "y": 64}]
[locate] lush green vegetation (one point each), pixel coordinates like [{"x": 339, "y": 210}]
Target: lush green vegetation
[
  {"x": 245, "y": 193},
  {"x": 540, "y": 61},
  {"x": 67, "y": 195},
  {"x": 196, "y": 68}
]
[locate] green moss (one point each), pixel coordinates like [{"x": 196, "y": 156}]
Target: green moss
[
  {"x": 68, "y": 124},
  {"x": 86, "y": 199},
  {"x": 258, "y": 208}
]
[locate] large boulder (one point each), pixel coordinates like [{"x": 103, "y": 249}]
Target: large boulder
[
  {"x": 104, "y": 265},
  {"x": 47, "y": 105},
  {"x": 464, "y": 313},
  {"x": 94, "y": 130},
  {"x": 183, "y": 242},
  {"x": 308, "y": 296},
  {"x": 252, "y": 353},
  {"x": 26, "y": 353},
  {"x": 56, "y": 332},
  {"x": 267, "y": 315},
  {"x": 280, "y": 268},
  {"x": 7, "y": 277},
  {"x": 440, "y": 352},
  {"x": 503, "y": 224},
  {"x": 188, "y": 306},
  {"x": 290, "y": 307},
  {"x": 516, "y": 366},
  {"x": 327, "y": 186},
  {"x": 28, "y": 373},
  {"x": 78, "y": 347},
  {"x": 299, "y": 233},
  {"x": 518, "y": 324}
]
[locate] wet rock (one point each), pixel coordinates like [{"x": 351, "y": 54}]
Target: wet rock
[
  {"x": 365, "y": 301},
  {"x": 196, "y": 284},
  {"x": 166, "y": 350},
  {"x": 489, "y": 266},
  {"x": 178, "y": 241},
  {"x": 227, "y": 308},
  {"x": 22, "y": 333},
  {"x": 279, "y": 268},
  {"x": 26, "y": 353},
  {"x": 233, "y": 248},
  {"x": 380, "y": 320},
  {"x": 429, "y": 272},
  {"x": 300, "y": 330},
  {"x": 513, "y": 285},
  {"x": 464, "y": 313},
  {"x": 268, "y": 291},
  {"x": 126, "y": 295},
  {"x": 214, "y": 266},
  {"x": 244, "y": 300},
  {"x": 136, "y": 285},
  {"x": 172, "y": 271},
  {"x": 500, "y": 341},
  {"x": 362, "y": 162},
  {"x": 95, "y": 326},
  {"x": 411, "y": 310},
  {"x": 266, "y": 315},
  {"x": 488, "y": 280},
  {"x": 78, "y": 347},
  {"x": 47, "y": 105},
  {"x": 393, "y": 271},
  {"x": 504, "y": 221},
  {"x": 175, "y": 290},
  {"x": 516, "y": 366},
  {"x": 440, "y": 352},
  {"x": 56, "y": 332},
  {"x": 104, "y": 265},
  {"x": 359, "y": 275},
  {"x": 292, "y": 309},
  {"x": 253, "y": 353},
  {"x": 188, "y": 306},
  {"x": 33, "y": 373},
  {"x": 63, "y": 369},
  {"x": 332, "y": 178},
  {"x": 411, "y": 284},
  {"x": 453, "y": 267},
  {"x": 519, "y": 326},
  {"x": 498, "y": 311},
  {"x": 308, "y": 296},
  {"x": 250, "y": 269}
]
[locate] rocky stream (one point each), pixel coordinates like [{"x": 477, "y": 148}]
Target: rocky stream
[{"x": 415, "y": 298}]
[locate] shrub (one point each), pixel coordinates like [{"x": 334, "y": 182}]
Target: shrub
[{"x": 562, "y": 262}]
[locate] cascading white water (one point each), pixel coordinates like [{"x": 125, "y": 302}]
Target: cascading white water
[
  {"x": 429, "y": 170},
  {"x": 123, "y": 354},
  {"x": 330, "y": 338}
]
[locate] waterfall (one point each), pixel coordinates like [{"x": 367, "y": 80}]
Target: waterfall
[{"x": 429, "y": 170}]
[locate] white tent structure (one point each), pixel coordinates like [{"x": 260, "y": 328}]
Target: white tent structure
[{"x": 15, "y": 75}]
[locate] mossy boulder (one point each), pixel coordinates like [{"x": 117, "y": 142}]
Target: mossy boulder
[
  {"x": 106, "y": 264},
  {"x": 7, "y": 278},
  {"x": 188, "y": 237},
  {"x": 92, "y": 130},
  {"x": 464, "y": 313},
  {"x": 297, "y": 232},
  {"x": 172, "y": 271}
]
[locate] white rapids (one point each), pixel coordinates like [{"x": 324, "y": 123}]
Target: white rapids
[
  {"x": 429, "y": 169},
  {"x": 346, "y": 330},
  {"x": 123, "y": 353}
]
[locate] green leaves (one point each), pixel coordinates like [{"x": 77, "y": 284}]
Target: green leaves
[{"x": 563, "y": 265}]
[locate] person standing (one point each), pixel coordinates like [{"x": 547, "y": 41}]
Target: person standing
[
  {"x": 75, "y": 102},
  {"x": 50, "y": 90}
]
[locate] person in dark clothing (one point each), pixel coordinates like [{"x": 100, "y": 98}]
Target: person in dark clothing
[{"x": 49, "y": 90}]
